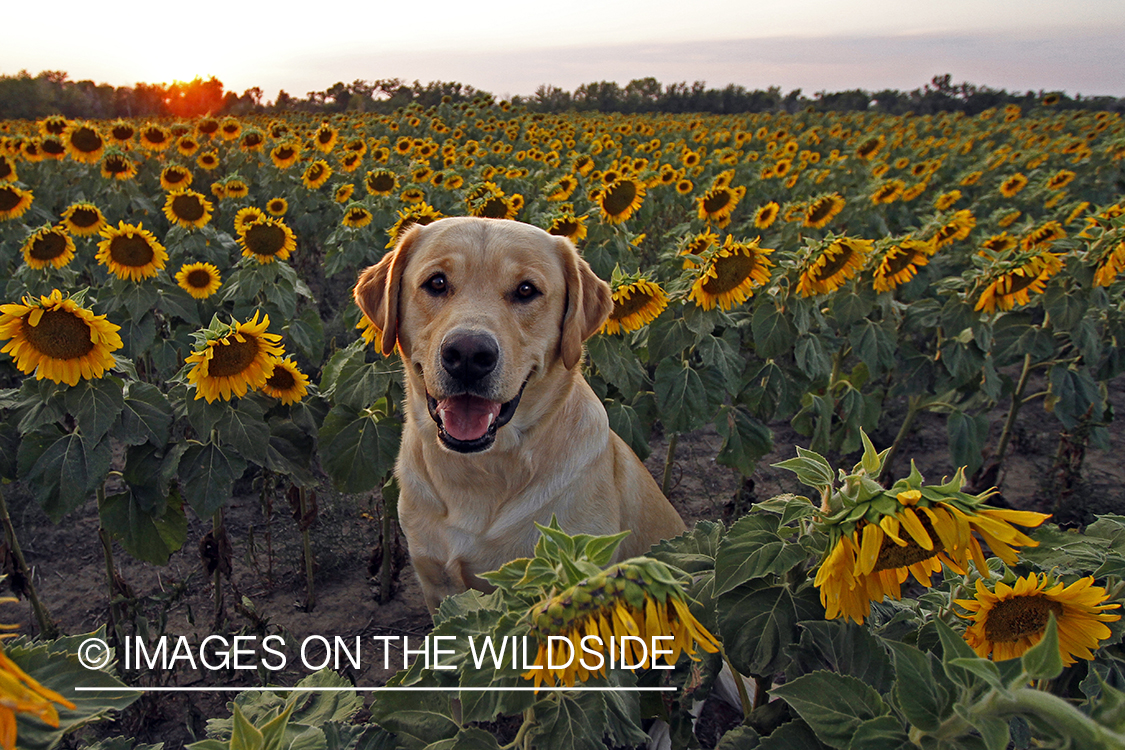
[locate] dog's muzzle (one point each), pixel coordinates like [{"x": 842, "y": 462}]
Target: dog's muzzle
[{"x": 468, "y": 423}]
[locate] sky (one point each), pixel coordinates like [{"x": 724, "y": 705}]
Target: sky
[{"x": 512, "y": 47}]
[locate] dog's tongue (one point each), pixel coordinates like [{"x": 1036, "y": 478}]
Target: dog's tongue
[{"x": 467, "y": 417}]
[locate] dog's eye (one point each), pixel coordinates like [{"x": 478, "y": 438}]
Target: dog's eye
[
  {"x": 436, "y": 284},
  {"x": 526, "y": 291}
]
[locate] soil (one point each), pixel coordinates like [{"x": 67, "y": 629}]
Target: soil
[{"x": 266, "y": 593}]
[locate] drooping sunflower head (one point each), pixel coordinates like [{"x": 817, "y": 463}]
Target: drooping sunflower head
[
  {"x": 637, "y": 301},
  {"x": 900, "y": 263},
  {"x": 316, "y": 174},
  {"x": 117, "y": 166},
  {"x": 1007, "y": 620},
  {"x": 1042, "y": 237},
  {"x": 175, "y": 177},
  {"x": 48, "y": 246},
  {"x": 494, "y": 207},
  {"x": 231, "y": 359},
  {"x": 356, "y": 216},
  {"x": 620, "y": 200},
  {"x": 1012, "y": 282},
  {"x": 187, "y": 208},
  {"x": 58, "y": 339},
  {"x": 696, "y": 247},
  {"x": 566, "y": 224},
  {"x": 53, "y": 125},
  {"x": 266, "y": 239},
  {"x": 823, "y": 210},
  {"x": 888, "y": 192},
  {"x": 186, "y": 145},
  {"x": 959, "y": 226},
  {"x": 14, "y": 202},
  {"x": 130, "y": 252},
  {"x": 230, "y": 128},
  {"x": 827, "y": 268},
  {"x": 200, "y": 280},
  {"x": 83, "y": 219},
  {"x": 946, "y": 201},
  {"x": 252, "y": 140},
  {"x": 287, "y": 383},
  {"x": 998, "y": 244},
  {"x": 413, "y": 195},
  {"x": 84, "y": 143},
  {"x": 730, "y": 274},
  {"x": 1060, "y": 179}
]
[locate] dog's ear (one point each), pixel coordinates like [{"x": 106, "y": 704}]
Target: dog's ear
[
  {"x": 377, "y": 292},
  {"x": 588, "y": 303}
]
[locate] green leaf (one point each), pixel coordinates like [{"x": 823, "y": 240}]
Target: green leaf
[
  {"x": 570, "y": 722},
  {"x": 793, "y": 735},
  {"x": 773, "y": 331},
  {"x": 845, "y": 648},
  {"x": 993, "y": 730},
  {"x": 179, "y": 303},
  {"x": 146, "y": 415},
  {"x": 143, "y": 535},
  {"x": 923, "y": 694},
  {"x": 307, "y": 333},
  {"x": 360, "y": 384},
  {"x": 66, "y": 472},
  {"x": 207, "y": 473},
  {"x": 882, "y": 733},
  {"x": 682, "y": 397},
  {"x": 693, "y": 551},
  {"x": 356, "y": 450},
  {"x": 626, "y": 422},
  {"x": 954, "y": 648},
  {"x": 1065, "y": 309},
  {"x": 204, "y": 415},
  {"x": 1043, "y": 661},
  {"x": 245, "y": 735},
  {"x": 873, "y": 345},
  {"x": 138, "y": 334},
  {"x": 967, "y": 435},
  {"x": 137, "y": 298},
  {"x": 848, "y": 308},
  {"x": 722, "y": 355},
  {"x": 95, "y": 404},
  {"x": 243, "y": 428},
  {"x": 417, "y": 719},
  {"x": 1073, "y": 394},
  {"x": 668, "y": 338},
  {"x": 753, "y": 550},
  {"x": 834, "y": 705},
  {"x": 811, "y": 358},
  {"x": 745, "y": 439},
  {"x": 617, "y": 362},
  {"x": 758, "y": 622}
]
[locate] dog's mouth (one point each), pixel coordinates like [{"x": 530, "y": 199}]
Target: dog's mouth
[{"x": 468, "y": 423}]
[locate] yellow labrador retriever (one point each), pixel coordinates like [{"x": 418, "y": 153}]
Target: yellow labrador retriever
[{"x": 501, "y": 428}]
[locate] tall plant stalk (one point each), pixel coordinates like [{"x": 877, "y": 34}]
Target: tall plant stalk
[{"x": 47, "y": 627}]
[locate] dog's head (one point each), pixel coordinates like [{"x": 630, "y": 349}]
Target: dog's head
[{"x": 480, "y": 308}]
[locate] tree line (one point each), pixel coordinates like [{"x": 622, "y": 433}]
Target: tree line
[{"x": 23, "y": 96}]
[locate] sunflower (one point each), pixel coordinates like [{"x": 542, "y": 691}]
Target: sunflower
[
  {"x": 730, "y": 273},
  {"x": 717, "y": 204},
  {"x": 245, "y": 216},
  {"x": 175, "y": 177},
  {"x": 267, "y": 240},
  {"x": 187, "y": 209},
  {"x": 420, "y": 213},
  {"x": 53, "y": 125},
  {"x": 285, "y": 155},
  {"x": 568, "y": 225},
  {"x": 230, "y": 128},
  {"x": 343, "y": 193},
  {"x": 823, "y": 210},
  {"x": 7, "y": 169},
  {"x": 1009, "y": 218},
  {"x": 998, "y": 244},
  {"x": 1013, "y": 283},
  {"x": 1109, "y": 265},
  {"x": 116, "y": 166},
  {"x": 696, "y": 247},
  {"x": 251, "y": 140},
  {"x": 381, "y": 182},
  {"x": 208, "y": 160},
  {"x": 1013, "y": 185},
  {"x": 827, "y": 269},
  {"x": 84, "y": 143},
  {"x": 561, "y": 189},
  {"x": 200, "y": 280},
  {"x": 277, "y": 206},
  {"x": 620, "y": 199},
  {"x": 287, "y": 383},
  {"x": 187, "y": 146},
  {"x": 1009, "y": 620},
  {"x": 58, "y": 339},
  {"x": 766, "y": 215},
  {"x": 316, "y": 174},
  {"x": 350, "y": 161},
  {"x": 626, "y": 599},
  {"x": 413, "y": 195},
  {"x": 870, "y": 147},
  {"x": 83, "y": 219},
  {"x": 155, "y": 138},
  {"x": 121, "y": 132},
  {"x": 356, "y": 217},
  {"x": 1060, "y": 179},
  {"x": 229, "y": 360},
  {"x": 636, "y": 302},
  {"x": 20, "y": 693},
  {"x": 235, "y": 188},
  {"x": 48, "y": 246},
  {"x": 493, "y": 207},
  {"x": 1043, "y": 236},
  {"x": 901, "y": 262},
  {"x": 130, "y": 252},
  {"x": 52, "y": 147},
  {"x": 945, "y": 201},
  {"x": 888, "y": 192},
  {"x": 14, "y": 202}
]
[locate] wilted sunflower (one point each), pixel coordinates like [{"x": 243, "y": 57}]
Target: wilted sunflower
[
  {"x": 117, "y": 166},
  {"x": 231, "y": 359},
  {"x": 208, "y": 160},
  {"x": 14, "y": 202},
  {"x": 717, "y": 204},
  {"x": 901, "y": 262},
  {"x": 1013, "y": 283},
  {"x": 285, "y": 155},
  {"x": 730, "y": 273},
  {"x": 1060, "y": 179},
  {"x": 1042, "y": 237},
  {"x": 58, "y": 339},
  {"x": 625, "y": 599},
  {"x": 316, "y": 174},
  {"x": 828, "y": 268},
  {"x": 1107, "y": 267},
  {"x": 277, "y": 206},
  {"x": 888, "y": 192},
  {"x": 1009, "y": 620},
  {"x": 175, "y": 177},
  {"x": 1013, "y": 185},
  {"x": 767, "y": 215},
  {"x": 381, "y": 182},
  {"x": 187, "y": 209},
  {"x": 620, "y": 200},
  {"x": 823, "y": 210},
  {"x": 356, "y": 216},
  {"x": 636, "y": 302},
  {"x": 568, "y": 225},
  {"x": 287, "y": 383},
  {"x": 20, "y": 693},
  {"x": 130, "y": 252},
  {"x": 48, "y": 246},
  {"x": 343, "y": 193},
  {"x": 83, "y": 219},
  {"x": 84, "y": 143},
  {"x": 267, "y": 239},
  {"x": 200, "y": 280},
  {"x": 419, "y": 213}
]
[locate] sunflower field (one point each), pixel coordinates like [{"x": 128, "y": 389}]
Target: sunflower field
[{"x": 175, "y": 318}]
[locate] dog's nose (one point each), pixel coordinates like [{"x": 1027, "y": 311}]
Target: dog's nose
[{"x": 468, "y": 357}]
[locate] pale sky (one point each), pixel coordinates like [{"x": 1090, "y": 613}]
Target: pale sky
[{"x": 509, "y": 47}]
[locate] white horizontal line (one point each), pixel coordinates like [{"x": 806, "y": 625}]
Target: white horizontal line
[{"x": 371, "y": 689}]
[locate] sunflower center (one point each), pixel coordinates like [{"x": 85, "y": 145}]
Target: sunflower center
[
  {"x": 86, "y": 140},
  {"x": 730, "y": 272},
  {"x": 153, "y": 135},
  {"x": 284, "y": 153},
  {"x": 899, "y": 260},
  {"x": 48, "y": 247},
  {"x": 131, "y": 250},
  {"x": 5, "y": 168},
  {"x": 199, "y": 279},
  {"x": 53, "y": 146},
  {"x": 494, "y": 208},
  {"x": 619, "y": 197},
  {"x": 116, "y": 165},
  {"x": 122, "y": 133},
  {"x": 9, "y": 199},
  {"x": 281, "y": 379},
  {"x": 232, "y": 358},
  {"x": 83, "y": 218},
  {"x": 187, "y": 207},
  {"x": 1017, "y": 283},
  {"x": 819, "y": 211},
  {"x": 563, "y": 228},
  {"x": 174, "y": 176},
  {"x": 60, "y": 335},
  {"x": 892, "y": 556},
  {"x": 265, "y": 239},
  {"x": 837, "y": 260},
  {"x": 1013, "y": 619},
  {"x": 382, "y": 183},
  {"x": 626, "y": 307},
  {"x": 716, "y": 200}
]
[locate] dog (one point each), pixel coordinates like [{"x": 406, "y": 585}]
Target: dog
[{"x": 501, "y": 429}]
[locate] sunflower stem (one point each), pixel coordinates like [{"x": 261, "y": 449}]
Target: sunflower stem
[
  {"x": 216, "y": 534},
  {"x": 385, "y": 564},
  {"x": 912, "y": 410},
  {"x": 110, "y": 571},
  {"x": 47, "y": 627},
  {"x": 743, "y": 697},
  {"x": 666, "y": 482},
  {"x": 1017, "y": 402},
  {"x": 521, "y": 735},
  {"x": 306, "y": 544},
  {"x": 1052, "y": 714}
]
